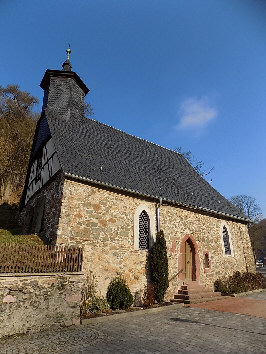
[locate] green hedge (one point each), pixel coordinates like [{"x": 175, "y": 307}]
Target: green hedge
[{"x": 240, "y": 282}]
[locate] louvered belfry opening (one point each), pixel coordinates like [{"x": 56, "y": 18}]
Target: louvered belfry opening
[
  {"x": 144, "y": 230},
  {"x": 227, "y": 248}
]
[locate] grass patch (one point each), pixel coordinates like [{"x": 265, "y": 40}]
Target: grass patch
[
  {"x": 10, "y": 230},
  {"x": 8, "y": 237}
]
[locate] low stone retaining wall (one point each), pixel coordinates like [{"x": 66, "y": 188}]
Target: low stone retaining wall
[{"x": 33, "y": 302}]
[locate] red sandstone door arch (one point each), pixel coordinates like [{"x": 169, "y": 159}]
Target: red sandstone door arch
[{"x": 188, "y": 260}]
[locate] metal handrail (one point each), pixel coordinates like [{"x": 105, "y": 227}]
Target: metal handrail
[{"x": 180, "y": 271}]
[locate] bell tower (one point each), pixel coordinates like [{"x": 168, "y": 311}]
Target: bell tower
[
  {"x": 63, "y": 102},
  {"x": 64, "y": 92}
]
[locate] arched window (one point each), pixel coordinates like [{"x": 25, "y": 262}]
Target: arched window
[
  {"x": 226, "y": 241},
  {"x": 144, "y": 231},
  {"x": 144, "y": 227}
]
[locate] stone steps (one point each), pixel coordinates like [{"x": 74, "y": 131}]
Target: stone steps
[
  {"x": 198, "y": 295},
  {"x": 192, "y": 292}
]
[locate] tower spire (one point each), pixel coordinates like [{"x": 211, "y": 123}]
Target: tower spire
[{"x": 66, "y": 65}]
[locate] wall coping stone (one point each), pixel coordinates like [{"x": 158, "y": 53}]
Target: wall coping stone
[{"x": 13, "y": 275}]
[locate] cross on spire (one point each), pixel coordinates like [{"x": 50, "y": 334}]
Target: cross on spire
[
  {"x": 66, "y": 65},
  {"x": 68, "y": 51}
]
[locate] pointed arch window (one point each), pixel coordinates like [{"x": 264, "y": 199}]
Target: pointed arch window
[
  {"x": 226, "y": 241},
  {"x": 144, "y": 227},
  {"x": 144, "y": 230}
]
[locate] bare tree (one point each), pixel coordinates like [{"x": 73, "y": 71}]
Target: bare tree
[
  {"x": 196, "y": 164},
  {"x": 88, "y": 110},
  {"x": 257, "y": 233},
  {"x": 248, "y": 205}
]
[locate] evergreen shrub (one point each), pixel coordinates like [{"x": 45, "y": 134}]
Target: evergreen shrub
[
  {"x": 118, "y": 294},
  {"x": 158, "y": 263}
]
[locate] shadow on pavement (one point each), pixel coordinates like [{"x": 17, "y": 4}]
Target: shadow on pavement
[{"x": 213, "y": 325}]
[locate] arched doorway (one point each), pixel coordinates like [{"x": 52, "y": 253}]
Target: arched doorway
[{"x": 188, "y": 260}]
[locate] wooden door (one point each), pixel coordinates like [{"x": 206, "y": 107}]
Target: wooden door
[{"x": 188, "y": 261}]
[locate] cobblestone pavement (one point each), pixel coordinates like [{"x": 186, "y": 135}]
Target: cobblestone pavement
[{"x": 173, "y": 330}]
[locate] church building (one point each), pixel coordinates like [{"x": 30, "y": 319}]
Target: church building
[{"x": 91, "y": 185}]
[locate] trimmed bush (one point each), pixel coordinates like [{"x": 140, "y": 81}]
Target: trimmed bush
[
  {"x": 158, "y": 262},
  {"x": 240, "y": 282},
  {"x": 118, "y": 294}
]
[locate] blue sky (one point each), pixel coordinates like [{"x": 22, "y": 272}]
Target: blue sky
[{"x": 188, "y": 73}]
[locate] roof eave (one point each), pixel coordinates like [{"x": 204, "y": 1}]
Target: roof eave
[
  {"x": 64, "y": 74},
  {"x": 157, "y": 197}
]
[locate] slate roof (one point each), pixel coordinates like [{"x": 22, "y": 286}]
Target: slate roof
[{"x": 96, "y": 152}]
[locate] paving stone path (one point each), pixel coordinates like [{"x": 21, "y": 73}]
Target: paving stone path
[
  {"x": 252, "y": 305},
  {"x": 173, "y": 330}
]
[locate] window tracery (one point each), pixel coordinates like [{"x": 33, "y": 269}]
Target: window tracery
[
  {"x": 144, "y": 230},
  {"x": 144, "y": 227},
  {"x": 226, "y": 241}
]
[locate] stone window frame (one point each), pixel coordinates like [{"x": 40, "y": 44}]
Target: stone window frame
[
  {"x": 224, "y": 224},
  {"x": 151, "y": 215}
]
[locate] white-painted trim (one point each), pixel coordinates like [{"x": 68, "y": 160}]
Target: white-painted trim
[
  {"x": 49, "y": 166},
  {"x": 223, "y": 223},
  {"x": 151, "y": 215}
]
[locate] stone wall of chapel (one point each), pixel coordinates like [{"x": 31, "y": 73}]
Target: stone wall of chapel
[
  {"x": 50, "y": 195},
  {"x": 103, "y": 222},
  {"x": 206, "y": 231}
]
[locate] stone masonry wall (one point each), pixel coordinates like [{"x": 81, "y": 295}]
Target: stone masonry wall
[
  {"x": 102, "y": 221},
  {"x": 30, "y": 303},
  {"x": 51, "y": 195}
]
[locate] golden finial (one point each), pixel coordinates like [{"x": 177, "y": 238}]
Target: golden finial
[{"x": 68, "y": 51}]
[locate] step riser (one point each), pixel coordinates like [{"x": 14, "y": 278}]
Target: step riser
[
  {"x": 177, "y": 301},
  {"x": 194, "y": 291},
  {"x": 199, "y": 296},
  {"x": 176, "y": 297},
  {"x": 195, "y": 296},
  {"x": 199, "y": 287}
]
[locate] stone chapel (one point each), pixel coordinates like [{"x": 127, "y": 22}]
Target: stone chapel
[{"x": 95, "y": 186}]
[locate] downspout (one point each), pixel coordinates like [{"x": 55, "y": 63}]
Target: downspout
[
  {"x": 158, "y": 213},
  {"x": 244, "y": 253}
]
